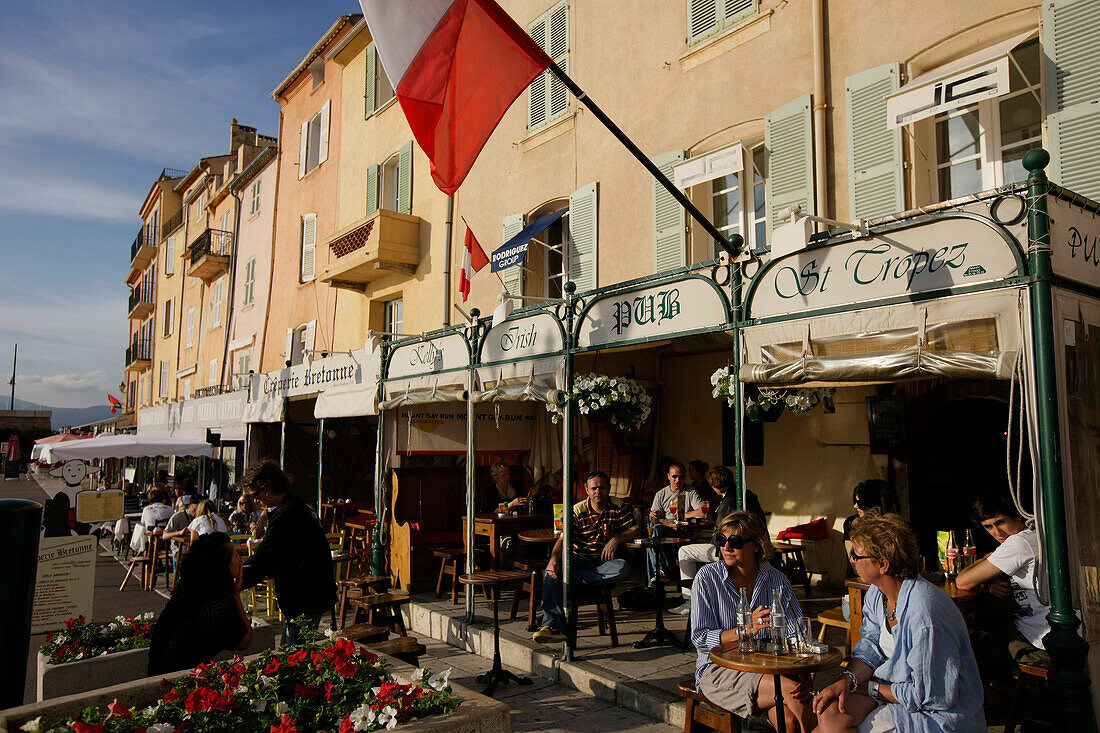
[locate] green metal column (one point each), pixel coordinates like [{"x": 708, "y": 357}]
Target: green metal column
[
  {"x": 282, "y": 433},
  {"x": 377, "y": 558},
  {"x": 1071, "y": 699},
  {"x": 320, "y": 459},
  {"x": 736, "y": 242},
  {"x": 471, "y": 459},
  {"x": 567, "y": 475}
]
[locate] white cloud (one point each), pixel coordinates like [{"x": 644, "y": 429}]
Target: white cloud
[{"x": 33, "y": 192}]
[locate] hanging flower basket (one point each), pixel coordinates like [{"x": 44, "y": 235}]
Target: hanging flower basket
[
  {"x": 620, "y": 401},
  {"x": 767, "y": 405}
]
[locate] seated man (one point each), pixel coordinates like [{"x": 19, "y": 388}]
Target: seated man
[
  {"x": 1010, "y": 569},
  {"x": 177, "y": 528},
  {"x": 661, "y": 509},
  {"x": 600, "y": 525}
]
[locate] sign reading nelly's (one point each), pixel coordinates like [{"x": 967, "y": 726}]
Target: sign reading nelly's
[
  {"x": 428, "y": 357},
  {"x": 1074, "y": 242},
  {"x": 674, "y": 307},
  {"x": 934, "y": 256},
  {"x": 534, "y": 335}
]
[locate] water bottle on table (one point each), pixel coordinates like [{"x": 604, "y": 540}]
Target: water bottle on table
[
  {"x": 778, "y": 619},
  {"x": 744, "y": 622}
]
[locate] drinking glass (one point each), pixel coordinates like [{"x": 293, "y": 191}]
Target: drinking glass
[
  {"x": 803, "y": 633},
  {"x": 705, "y": 508},
  {"x": 672, "y": 510}
]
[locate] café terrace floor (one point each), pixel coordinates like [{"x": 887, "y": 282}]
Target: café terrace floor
[{"x": 641, "y": 680}]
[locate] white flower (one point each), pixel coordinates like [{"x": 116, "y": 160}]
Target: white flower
[
  {"x": 330, "y": 633},
  {"x": 240, "y": 689},
  {"x": 60, "y": 639},
  {"x": 160, "y": 728},
  {"x": 266, "y": 681},
  {"x": 282, "y": 707},
  {"x": 260, "y": 705},
  {"x": 439, "y": 680},
  {"x": 362, "y": 717},
  {"x": 148, "y": 615},
  {"x": 417, "y": 675},
  {"x": 150, "y": 711},
  {"x": 31, "y": 726},
  {"x": 388, "y": 717}
]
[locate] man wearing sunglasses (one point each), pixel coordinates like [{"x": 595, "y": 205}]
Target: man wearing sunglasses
[
  {"x": 662, "y": 508},
  {"x": 600, "y": 526}
]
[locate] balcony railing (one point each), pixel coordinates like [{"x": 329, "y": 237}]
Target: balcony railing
[
  {"x": 217, "y": 389},
  {"x": 173, "y": 173},
  {"x": 143, "y": 249},
  {"x": 217, "y": 242},
  {"x": 141, "y": 296},
  {"x": 171, "y": 225},
  {"x": 140, "y": 350}
]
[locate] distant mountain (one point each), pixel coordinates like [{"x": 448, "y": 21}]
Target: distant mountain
[{"x": 65, "y": 416}]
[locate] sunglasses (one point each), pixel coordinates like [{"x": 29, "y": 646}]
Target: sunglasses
[
  {"x": 734, "y": 542},
  {"x": 854, "y": 557}
]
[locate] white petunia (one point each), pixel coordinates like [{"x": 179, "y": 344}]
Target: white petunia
[
  {"x": 417, "y": 675},
  {"x": 266, "y": 681},
  {"x": 32, "y": 726},
  {"x": 330, "y": 633},
  {"x": 282, "y": 707},
  {"x": 60, "y": 639},
  {"x": 149, "y": 711},
  {"x": 148, "y": 615},
  {"x": 362, "y": 717},
  {"x": 259, "y": 705},
  {"x": 160, "y": 728},
  {"x": 439, "y": 680}
]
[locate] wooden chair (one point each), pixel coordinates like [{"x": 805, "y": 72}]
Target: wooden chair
[
  {"x": 532, "y": 588},
  {"x": 263, "y": 591},
  {"x": 382, "y": 609},
  {"x": 357, "y": 588},
  {"x": 600, "y": 597},
  {"x": 701, "y": 714},
  {"x": 364, "y": 633},
  {"x": 835, "y": 617},
  {"x": 405, "y": 648},
  {"x": 453, "y": 563},
  {"x": 1029, "y": 677},
  {"x": 792, "y": 562}
]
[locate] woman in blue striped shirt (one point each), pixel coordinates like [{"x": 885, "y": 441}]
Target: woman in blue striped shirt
[{"x": 744, "y": 549}]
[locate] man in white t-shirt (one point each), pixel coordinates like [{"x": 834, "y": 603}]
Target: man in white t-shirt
[
  {"x": 659, "y": 510},
  {"x": 1008, "y": 571}
]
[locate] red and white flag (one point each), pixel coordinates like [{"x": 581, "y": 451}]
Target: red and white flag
[
  {"x": 456, "y": 67},
  {"x": 473, "y": 259}
]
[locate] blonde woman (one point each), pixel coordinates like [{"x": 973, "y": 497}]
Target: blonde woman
[
  {"x": 743, "y": 553},
  {"x": 207, "y": 521}
]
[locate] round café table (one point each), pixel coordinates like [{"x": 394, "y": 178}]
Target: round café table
[
  {"x": 496, "y": 578},
  {"x": 659, "y": 634},
  {"x": 538, "y": 536},
  {"x": 789, "y": 665}
]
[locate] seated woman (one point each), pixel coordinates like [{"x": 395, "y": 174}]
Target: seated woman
[
  {"x": 204, "y": 615},
  {"x": 744, "y": 549},
  {"x": 206, "y": 521},
  {"x": 873, "y": 498},
  {"x": 501, "y": 491},
  {"x": 155, "y": 515},
  {"x": 244, "y": 518},
  {"x": 913, "y": 669}
]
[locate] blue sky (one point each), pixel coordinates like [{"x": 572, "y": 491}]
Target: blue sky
[{"x": 98, "y": 97}]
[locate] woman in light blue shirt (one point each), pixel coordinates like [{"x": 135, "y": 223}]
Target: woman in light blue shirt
[{"x": 913, "y": 669}]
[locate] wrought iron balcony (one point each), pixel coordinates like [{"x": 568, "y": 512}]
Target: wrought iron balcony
[
  {"x": 143, "y": 251},
  {"x": 209, "y": 255},
  {"x": 140, "y": 354},
  {"x": 171, "y": 225},
  {"x": 379, "y": 244},
  {"x": 142, "y": 301}
]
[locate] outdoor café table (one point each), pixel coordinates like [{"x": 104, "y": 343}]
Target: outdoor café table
[
  {"x": 790, "y": 665},
  {"x": 699, "y": 530},
  {"x": 494, "y": 527},
  {"x": 659, "y": 634},
  {"x": 980, "y": 609},
  {"x": 495, "y": 579},
  {"x": 537, "y": 536}
]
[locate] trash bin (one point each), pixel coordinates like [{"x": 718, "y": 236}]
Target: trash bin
[{"x": 20, "y": 521}]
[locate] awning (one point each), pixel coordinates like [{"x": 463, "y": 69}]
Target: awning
[
  {"x": 269, "y": 391},
  {"x": 972, "y": 78},
  {"x": 355, "y": 401},
  {"x": 449, "y": 387},
  {"x": 41, "y": 443},
  {"x": 514, "y": 250},
  {"x": 124, "y": 446},
  {"x": 537, "y": 380}
]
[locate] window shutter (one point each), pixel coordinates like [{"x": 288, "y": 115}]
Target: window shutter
[
  {"x": 304, "y": 144},
  {"x": 512, "y": 276},
  {"x": 558, "y": 38},
  {"x": 372, "y": 189},
  {"x": 322, "y": 145},
  {"x": 582, "y": 235},
  {"x": 212, "y": 374},
  {"x": 735, "y": 10},
  {"x": 536, "y": 93},
  {"x": 788, "y": 142},
  {"x": 190, "y": 327},
  {"x": 169, "y": 255},
  {"x": 875, "y": 176},
  {"x": 1072, "y": 92},
  {"x": 309, "y": 246},
  {"x": 702, "y": 19},
  {"x": 669, "y": 221},
  {"x": 370, "y": 82},
  {"x": 163, "y": 378},
  {"x": 288, "y": 354},
  {"x": 309, "y": 336},
  {"x": 404, "y": 179}
]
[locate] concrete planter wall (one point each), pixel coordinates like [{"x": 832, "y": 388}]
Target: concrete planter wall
[
  {"x": 71, "y": 678},
  {"x": 476, "y": 714}
]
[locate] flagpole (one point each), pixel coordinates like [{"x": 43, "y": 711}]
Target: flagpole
[{"x": 637, "y": 153}]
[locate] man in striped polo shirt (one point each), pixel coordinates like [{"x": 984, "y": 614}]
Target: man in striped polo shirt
[{"x": 600, "y": 525}]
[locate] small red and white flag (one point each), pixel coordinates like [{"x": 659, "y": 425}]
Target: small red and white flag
[
  {"x": 473, "y": 259},
  {"x": 113, "y": 402},
  {"x": 456, "y": 67}
]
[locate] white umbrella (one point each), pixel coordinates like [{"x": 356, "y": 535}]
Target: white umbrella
[{"x": 125, "y": 446}]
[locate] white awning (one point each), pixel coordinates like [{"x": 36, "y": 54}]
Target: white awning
[
  {"x": 972, "y": 78},
  {"x": 537, "y": 380},
  {"x": 446, "y": 387},
  {"x": 355, "y": 401},
  {"x": 124, "y": 446}
]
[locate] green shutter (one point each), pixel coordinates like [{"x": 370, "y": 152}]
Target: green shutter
[
  {"x": 583, "y": 228},
  {"x": 370, "y": 84},
  {"x": 512, "y": 276},
  {"x": 788, "y": 142},
  {"x": 1072, "y": 92},
  {"x": 702, "y": 19},
  {"x": 669, "y": 222},
  {"x": 404, "y": 179},
  {"x": 875, "y": 180},
  {"x": 372, "y": 189}
]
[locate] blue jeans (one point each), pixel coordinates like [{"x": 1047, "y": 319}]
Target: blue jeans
[
  {"x": 653, "y": 562},
  {"x": 290, "y": 631},
  {"x": 585, "y": 572}
]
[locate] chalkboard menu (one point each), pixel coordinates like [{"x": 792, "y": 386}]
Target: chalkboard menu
[{"x": 886, "y": 424}]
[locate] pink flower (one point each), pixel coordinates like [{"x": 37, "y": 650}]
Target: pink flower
[{"x": 117, "y": 711}]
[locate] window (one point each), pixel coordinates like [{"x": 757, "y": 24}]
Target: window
[
  {"x": 187, "y": 389},
  {"x": 391, "y": 182},
  {"x": 216, "y": 293},
  {"x": 547, "y": 97},
  {"x": 982, "y": 146},
  {"x": 317, "y": 71},
  {"x": 249, "y": 280},
  {"x": 164, "y": 379},
  {"x": 395, "y": 310},
  {"x": 313, "y": 145},
  {"x": 309, "y": 248},
  {"x": 169, "y": 309},
  {"x": 707, "y": 17},
  {"x": 225, "y": 227},
  {"x": 212, "y": 374},
  {"x": 190, "y": 327},
  {"x": 738, "y": 208},
  {"x": 131, "y": 401},
  {"x": 169, "y": 255},
  {"x": 198, "y": 207},
  {"x": 254, "y": 208},
  {"x": 244, "y": 363},
  {"x": 376, "y": 90}
]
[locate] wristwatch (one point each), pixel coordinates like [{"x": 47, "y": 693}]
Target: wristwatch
[
  {"x": 872, "y": 691},
  {"x": 853, "y": 683}
]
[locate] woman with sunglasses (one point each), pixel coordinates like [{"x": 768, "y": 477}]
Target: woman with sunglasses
[
  {"x": 913, "y": 669},
  {"x": 870, "y": 498},
  {"x": 743, "y": 551}
]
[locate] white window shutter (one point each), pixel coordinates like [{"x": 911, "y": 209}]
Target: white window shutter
[
  {"x": 702, "y": 18},
  {"x": 512, "y": 276},
  {"x": 303, "y": 146},
  {"x": 309, "y": 246},
  {"x": 875, "y": 175},
  {"x": 163, "y": 378},
  {"x": 212, "y": 375},
  {"x": 404, "y": 179},
  {"x": 788, "y": 142},
  {"x": 1072, "y": 92},
  {"x": 669, "y": 219},
  {"x": 583, "y": 229},
  {"x": 169, "y": 255},
  {"x": 558, "y": 49},
  {"x": 190, "y": 327},
  {"x": 536, "y": 93},
  {"x": 288, "y": 354},
  {"x": 322, "y": 154},
  {"x": 309, "y": 336}
]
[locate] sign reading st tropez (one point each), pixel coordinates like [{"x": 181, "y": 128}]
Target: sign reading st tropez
[
  {"x": 934, "y": 256},
  {"x": 675, "y": 307}
]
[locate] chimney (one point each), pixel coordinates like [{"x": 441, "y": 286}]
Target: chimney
[{"x": 240, "y": 135}]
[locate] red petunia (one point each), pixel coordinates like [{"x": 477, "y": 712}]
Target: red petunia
[
  {"x": 118, "y": 711},
  {"x": 317, "y": 658},
  {"x": 296, "y": 657},
  {"x": 330, "y": 691},
  {"x": 171, "y": 694},
  {"x": 305, "y": 690},
  {"x": 347, "y": 670},
  {"x": 286, "y": 725},
  {"x": 88, "y": 728},
  {"x": 346, "y": 726},
  {"x": 273, "y": 667}
]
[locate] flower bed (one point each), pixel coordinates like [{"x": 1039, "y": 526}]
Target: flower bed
[
  {"x": 332, "y": 687},
  {"x": 81, "y": 640}
]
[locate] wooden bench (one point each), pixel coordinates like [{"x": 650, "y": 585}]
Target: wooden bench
[
  {"x": 382, "y": 609},
  {"x": 364, "y": 633},
  {"x": 357, "y": 587},
  {"x": 701, "y": 714},
  {"x": 405, "y": 648}
]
